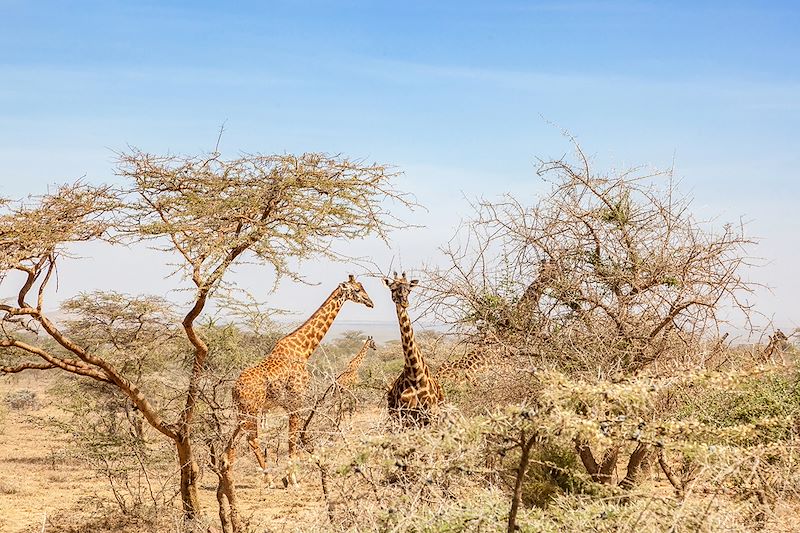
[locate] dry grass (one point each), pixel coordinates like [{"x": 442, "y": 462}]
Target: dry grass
[
  {"x": 40, "y": 482},
  {"x": 452, "y": 476}
]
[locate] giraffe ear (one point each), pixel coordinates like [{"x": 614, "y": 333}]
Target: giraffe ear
[
  {"x": 387, "y": 281},
  {"x": 413, "y": 283}
]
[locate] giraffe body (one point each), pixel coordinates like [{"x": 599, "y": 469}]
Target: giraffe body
[
  {"x": 281, "y": 379},
  {"x": 415, "y": 394},
  {"x": 468, "y": 367}
]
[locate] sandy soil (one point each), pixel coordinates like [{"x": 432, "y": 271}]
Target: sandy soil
[{"x": 42, "y": 486}]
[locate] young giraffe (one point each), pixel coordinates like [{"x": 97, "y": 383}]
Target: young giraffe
[
  {"x": 281, "y": 379},
  {"x": 414, "y": 394},
  {"x": 349, "y": 377}
]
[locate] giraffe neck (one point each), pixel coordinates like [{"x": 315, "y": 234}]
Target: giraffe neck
[
  {"x": 413, "y": 357},
  {"x": 311, "y": 332},
  {"x": 356, "y": 361},
  {"x": 532, "y": 294}
]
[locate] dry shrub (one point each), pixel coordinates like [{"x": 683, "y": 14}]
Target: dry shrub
[
  {"x": 105, "y": 519},
  {"x": 108, "y": 437},
  {"x": 460, "y": 474},
  {"x": 604, "y": 273},
  {"x": 8, "y": 488},
  {"x": 3, "y": 415},
  {"x": 22, "y": 399}
]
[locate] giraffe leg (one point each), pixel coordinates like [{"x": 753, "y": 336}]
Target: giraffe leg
[
  {"x": 294, "y": 433},
  {"x": 252, "y": 441},
  {"x": 250, "y": 427}
]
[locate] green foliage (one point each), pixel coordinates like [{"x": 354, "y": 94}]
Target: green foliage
[
  {"x": 138, "y": 334},
  {"x": 619, "y": 211},
  {"x": 275, "y": 206},
  {"x": 459, "y": 474},
  {"x": 231, "y": 348},
  {"x": 554, "y": 470},
  {"x": 775, "y": 395}
]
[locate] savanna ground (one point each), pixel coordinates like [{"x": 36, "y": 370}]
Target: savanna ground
[
  {"x": 456, "y": 475},
  {"x": 45, "y": 484}
]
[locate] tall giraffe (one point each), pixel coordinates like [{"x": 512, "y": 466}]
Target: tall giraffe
[
  {"x": 414, "y": 394},
  {"x": 281, "y": 379},
  {"x": 349, "y": 376}
]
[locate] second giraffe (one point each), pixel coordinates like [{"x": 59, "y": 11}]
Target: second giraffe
[{"x": 414, "y": 395}]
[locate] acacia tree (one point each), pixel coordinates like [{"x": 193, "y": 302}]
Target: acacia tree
[
  {"x": 604, "y": 276},
  {"x": 605, "y": 273},
  {"x": 212, "y": 213}
]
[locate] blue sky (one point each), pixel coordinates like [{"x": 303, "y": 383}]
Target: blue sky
[{"x": 458, "y": 95}]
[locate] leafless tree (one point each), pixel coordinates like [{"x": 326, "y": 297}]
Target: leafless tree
[{"x": 605, "y": 275}]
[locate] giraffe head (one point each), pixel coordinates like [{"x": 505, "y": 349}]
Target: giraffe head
[
  {"x": 354, "y": 291},
  {"x": 371, "y": 343},
  {"x": 400, "y": 287}
]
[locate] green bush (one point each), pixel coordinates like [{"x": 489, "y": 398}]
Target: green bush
[
  {"x": 754, "y": 399},
  {"x": 554, "y": 470}
]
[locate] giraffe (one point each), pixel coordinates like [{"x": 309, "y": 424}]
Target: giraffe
[
  {"x": 778, "y": 343},
  {"x": 349, "y": 377},
  {"x": 486, "y": 360},
  {"x": 281, "y": 379},
  {"x": 414, "y": 395},
  {"x": 467, "y": 367},
  {"x": 342, "y": 384},
  {"x": 491, "y": 351}
]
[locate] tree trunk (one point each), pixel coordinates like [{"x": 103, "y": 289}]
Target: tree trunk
[
  {"x": 634, "y": 466},
  {"x": 189, "y": 477},
  {"x": 600, "y": 473},
  {"x": 224, "y": 509},
  {"x": 222, "y": 464},
  {"x": 229, "y": 489},
  {"x": 609, "y": 464},
  {"x": 525, "y": 445}
]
